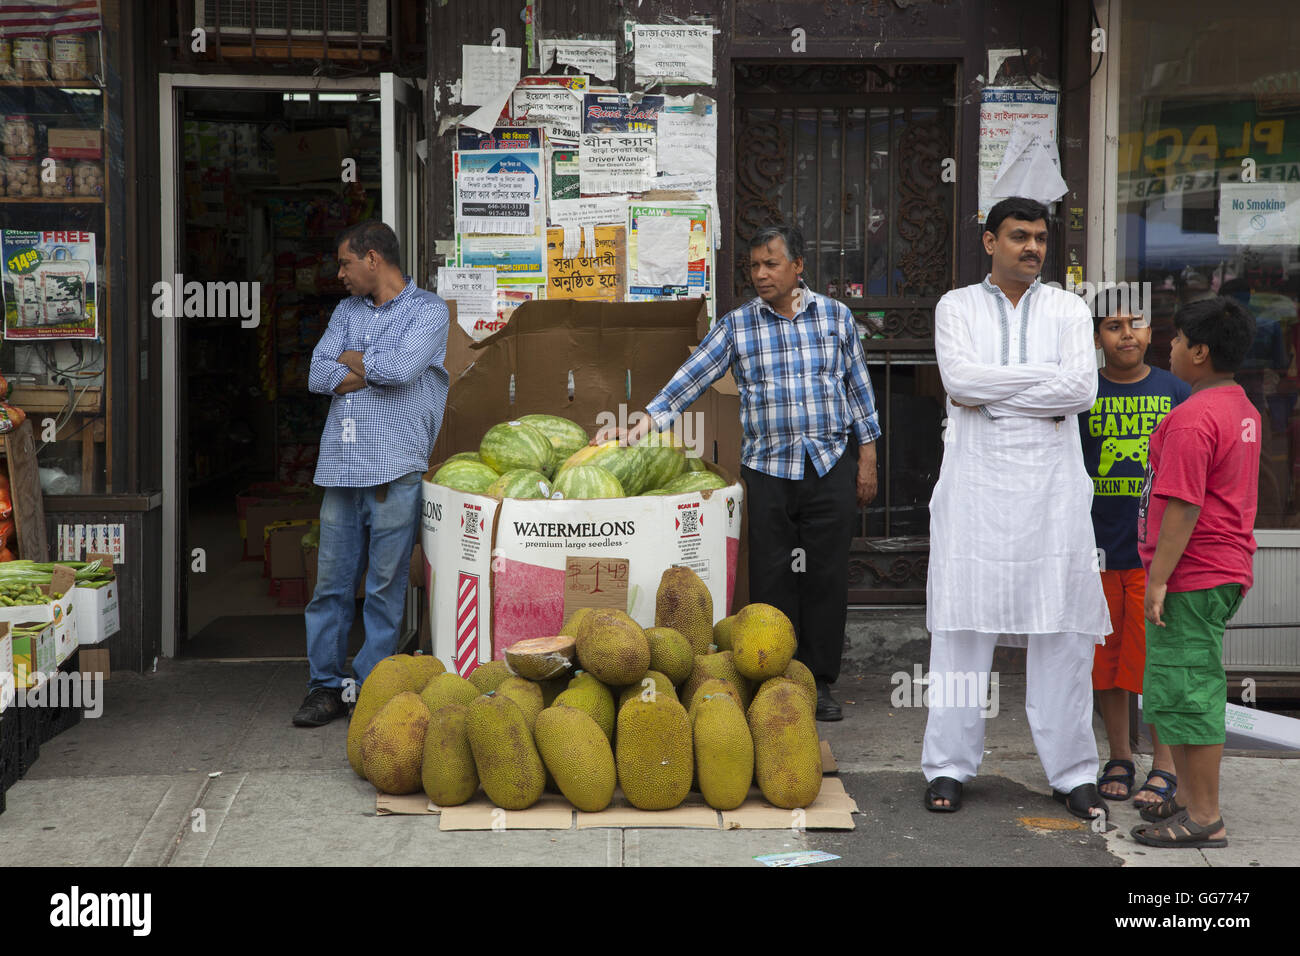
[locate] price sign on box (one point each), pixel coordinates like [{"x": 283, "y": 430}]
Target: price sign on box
[{"x": 595, "y": 582}]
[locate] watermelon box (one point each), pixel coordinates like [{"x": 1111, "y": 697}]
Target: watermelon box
[{"x": 495, "y": 569}]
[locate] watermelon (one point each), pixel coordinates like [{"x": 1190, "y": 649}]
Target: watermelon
[
  {"x": 653, "y": 491},
  {"x": 464, "y": 456},
  {"x": 582, "y": 456},
  {"x": 695, "y": 464},
  {"x": 512, "y": 445},
  {"x": 626, "y": 464},
  {"x": 565, "y": 436},
  {"x": 588, "y": 481},
  {"x": 694, "y": 481},
  {"x": 471, "y": 476},
  {"x": 521, "y": 483},
  {"x": 665, "y": 458}
]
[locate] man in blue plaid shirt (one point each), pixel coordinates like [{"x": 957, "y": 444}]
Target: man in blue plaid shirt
[
  {"x": 808, "y": 413},
  {"x": 381, "y": 362}
]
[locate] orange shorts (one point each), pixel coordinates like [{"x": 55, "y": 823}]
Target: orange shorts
[{"x": 1120, "y": 661}]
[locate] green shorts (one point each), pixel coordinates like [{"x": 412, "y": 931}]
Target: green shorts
[{"x": 1184, "y": 689}]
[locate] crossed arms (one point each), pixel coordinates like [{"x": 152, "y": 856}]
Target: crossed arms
[
  {"x": 1035, "y": 390},
  {"x": 339, "y": 371}
]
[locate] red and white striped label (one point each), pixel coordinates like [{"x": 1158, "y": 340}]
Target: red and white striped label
[{"x": 466, "y": 624}]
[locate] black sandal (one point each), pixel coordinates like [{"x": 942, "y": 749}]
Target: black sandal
[
  {"x": 1082, "y": 800},
  {"x": 1125, "y": 778},
  {"x": 943, "y": 788}
]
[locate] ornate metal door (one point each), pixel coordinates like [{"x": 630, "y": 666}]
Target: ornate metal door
[{"x": 853, "y": 154}]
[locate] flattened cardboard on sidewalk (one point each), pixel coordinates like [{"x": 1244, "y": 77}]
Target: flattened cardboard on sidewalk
[{"x": 832, "y": 810}]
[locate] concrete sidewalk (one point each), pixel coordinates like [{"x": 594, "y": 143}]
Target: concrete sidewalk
[{"x": 125, "y": 790}]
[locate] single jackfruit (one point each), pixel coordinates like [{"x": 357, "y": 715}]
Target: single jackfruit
[
  {"x": 787, "y": 754},
  {"x": 448, "y": 775},
  {"x": 526, "y": 694},
  {"x": 659, "y": 684},
  {"x": 505, "y": 756},
  {"x": 542, "y": 658},
  {"x": 718, "y": 665},
  {"x": 386, "y": 680},
  {"x": 447, "y": 689},
  {"x": 392, "y": 748},
  {"x": 670, "y": 653},
  {"x": 762, "y": 641},
  {"x": 714, "y": 685},
  {"x": 594, "y": 698},
  {"x": 653, "y": 753},
  {"x": 799, "y": 673},
  {"x": 578, "y": 756},
  {"x": 421, "y": 668},
  {"x": 613, "y": 647},
  {"x": 684, "y": 603},
  {"x": 487, "y": 676},
  {"x": 724, "y": 751},
  {"x": 722, "y": 633}
]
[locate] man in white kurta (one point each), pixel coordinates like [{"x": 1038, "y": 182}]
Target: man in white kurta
[{"x": 1012, "y": 553}]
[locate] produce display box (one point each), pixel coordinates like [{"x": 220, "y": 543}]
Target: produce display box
[
  {"x": 495, "y": 571},
  {"x": 832, "y": 810},
  {"x": 97, "y": 612},
  {"x": 34, "y": 652},
  {"x": 60, "y": 612}
]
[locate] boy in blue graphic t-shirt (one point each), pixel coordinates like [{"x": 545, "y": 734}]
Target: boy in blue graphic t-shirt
[{"x": 1132, "y": 398}]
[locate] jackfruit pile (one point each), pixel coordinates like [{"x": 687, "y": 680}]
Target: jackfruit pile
[{"x": 660, "y": 711}]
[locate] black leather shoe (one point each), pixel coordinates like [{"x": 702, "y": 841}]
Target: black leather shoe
[
  {"x": 322, "y": 705},
  {"x": 827, "y": 707}
]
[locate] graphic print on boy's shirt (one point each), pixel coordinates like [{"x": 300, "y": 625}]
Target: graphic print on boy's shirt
[{"x": 1115, "y": 434}]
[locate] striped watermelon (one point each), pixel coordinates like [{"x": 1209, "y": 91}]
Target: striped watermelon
[
  {"x": 464, "y": 456},
  {"x": 665, "y": 458},
  {"x": 565, "y": 436},
  {"x": 695, "y": 464},
  {"x": 521, "y": 483},
  {"x": 694, "y": 481},
  {"x": 588, "y": 481},
  {"x": 471, "y": 476},
  {"x": 582, "y": 456},
  {"x": 653, "y": 491},
  {"x": 626, "y": 464},
  {"x": 512, "y": 445}
]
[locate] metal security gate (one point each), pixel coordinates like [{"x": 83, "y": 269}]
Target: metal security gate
[{"x": 854, "y": 155}]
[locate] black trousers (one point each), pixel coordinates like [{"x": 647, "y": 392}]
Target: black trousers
[{"x": 799, "y": 537}]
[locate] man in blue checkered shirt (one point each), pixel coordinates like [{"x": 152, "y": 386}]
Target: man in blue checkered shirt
[
  {"x": 808, "y": 414},
  {"x": 381, "y": 363}
]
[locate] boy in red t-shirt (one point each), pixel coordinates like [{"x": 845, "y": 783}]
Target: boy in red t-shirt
[{"x": 1196, "y": 541}]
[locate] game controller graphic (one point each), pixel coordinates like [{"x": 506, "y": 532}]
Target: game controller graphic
[{"x": 1117, "y": 449}]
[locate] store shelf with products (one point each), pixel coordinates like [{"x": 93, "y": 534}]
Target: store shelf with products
[{"x": 57, "y": 237}]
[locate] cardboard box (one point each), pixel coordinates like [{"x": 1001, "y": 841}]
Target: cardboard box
[
  {"x": 75, "y": 144},
  {"x": 262, "y": 513},
  {"x": 314, "y": 156},
  {"x": 97, "y": 613},
  {"x": 59, "y": 613},
  {"x": 94, "y": 660},
  {"x": 495, "y": 571},
  {"x": 34, "y": 653},
  {"x": 284, "y": 547}
]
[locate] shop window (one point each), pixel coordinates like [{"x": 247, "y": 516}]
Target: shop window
[
  {"x": 56, "y": 240},
  {"x": 1209, "y": 113}
]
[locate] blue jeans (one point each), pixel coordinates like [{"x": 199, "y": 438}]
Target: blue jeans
[{"x": 348, "y": 517}]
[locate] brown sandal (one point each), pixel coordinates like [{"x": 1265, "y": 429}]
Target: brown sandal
[{"x": 1193, "y": 835}]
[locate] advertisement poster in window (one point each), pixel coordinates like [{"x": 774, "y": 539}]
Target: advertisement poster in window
[{"x": 50, "y": 286}]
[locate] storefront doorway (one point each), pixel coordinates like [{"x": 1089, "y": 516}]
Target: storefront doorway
[
  {"x": 260, "y": 175},
  {"x": 852, "y": 154}
]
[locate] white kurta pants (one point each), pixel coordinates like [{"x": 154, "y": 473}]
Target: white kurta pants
[{"x": 1058, "y": 703}]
